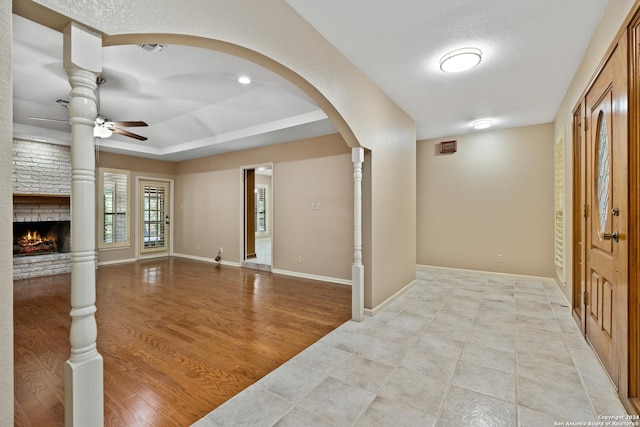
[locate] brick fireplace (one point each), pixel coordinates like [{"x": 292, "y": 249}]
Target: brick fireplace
[{"x": 41, "y": 189}]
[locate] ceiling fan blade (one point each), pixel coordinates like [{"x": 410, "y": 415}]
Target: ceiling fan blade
[
  {"x": 130, "y": 124},
  {"x": 48, "y": 120},
  {"x": 129, "y": 134}
]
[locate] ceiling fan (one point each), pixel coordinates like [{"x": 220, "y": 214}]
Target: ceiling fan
[{"x": 104, "y": 126}]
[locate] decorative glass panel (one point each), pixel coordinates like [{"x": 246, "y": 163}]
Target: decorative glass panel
[{"x": 602, "y": 172}]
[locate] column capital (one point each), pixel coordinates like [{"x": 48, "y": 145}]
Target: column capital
[
  {"x": 357, "y": 154},
  {"x": 82, "y": 49}
]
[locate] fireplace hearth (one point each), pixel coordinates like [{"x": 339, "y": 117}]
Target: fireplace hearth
[{"x": 40, "y": 238}]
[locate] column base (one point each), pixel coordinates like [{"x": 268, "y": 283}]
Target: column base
[
  {"x": 83, "y": 393},
  {"x": 357, "y": 293}
]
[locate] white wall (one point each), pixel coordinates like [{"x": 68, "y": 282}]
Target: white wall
[
  {"x": 493, "y": 196},
  {"x": 613, "y": 19},
  {"x": 6, "y": 254}
]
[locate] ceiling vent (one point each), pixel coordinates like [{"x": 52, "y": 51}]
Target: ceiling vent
[{"x": 152, "y": 47}]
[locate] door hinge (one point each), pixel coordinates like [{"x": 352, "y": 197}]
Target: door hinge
[
  {"x": 585, "y": 298},
  {"x": 585, "y": 211},
  {"x": 586, "y": 125}
]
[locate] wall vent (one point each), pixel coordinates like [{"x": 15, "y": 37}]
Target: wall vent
[{"x": 152, "y": 47}]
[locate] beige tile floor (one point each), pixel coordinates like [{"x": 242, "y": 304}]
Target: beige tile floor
[{"x": 457, "y": 349}]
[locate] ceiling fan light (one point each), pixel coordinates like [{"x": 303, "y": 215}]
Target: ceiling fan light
[
  {"x": 482, "y": 124},
  {"x": 460, "y": 60},
  {"x": 101, "y": 132}
]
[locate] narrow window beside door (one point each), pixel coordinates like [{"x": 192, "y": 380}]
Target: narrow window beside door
[
  {"x": 260, "y": 210},
  {"x": 559, "y": 201},
  {"x": 114, "y": 209}
]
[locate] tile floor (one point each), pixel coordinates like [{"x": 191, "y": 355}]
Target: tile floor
[
  {"x": 263, "y": 251},
  {"x": 457, "y": 349},
  {"x": 262, "y": 261}
]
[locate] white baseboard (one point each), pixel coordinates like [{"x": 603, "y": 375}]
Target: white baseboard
[
  {"x": 490, "y": 273},
  {"x": 392, "y": 298},
  {"x": 205, "y": 259},
  {"x": 118, "y": 261},
  {"x": 313, "y": 277}
]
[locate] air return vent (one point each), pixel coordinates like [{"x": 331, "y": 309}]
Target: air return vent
[{"x": 152, "y": 47}]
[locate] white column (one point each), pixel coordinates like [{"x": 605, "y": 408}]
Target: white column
[
  {"x": 357, "y": 268},
  {"x": 83, "y": 372}
]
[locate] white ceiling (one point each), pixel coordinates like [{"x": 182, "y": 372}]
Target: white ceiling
[{"x": 194, "y": 105}]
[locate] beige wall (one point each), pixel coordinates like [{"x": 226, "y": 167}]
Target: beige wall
[
  {"x": 318, "y": 170},
  {"x": 392, "y": 217},
  {"x": 139, "y": 168},
  {"x": 493, "y": 196},
  {"x": 6, "y": 255},
  {"x": 613, "y": 19}
]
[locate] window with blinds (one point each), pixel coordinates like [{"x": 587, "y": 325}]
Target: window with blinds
[
  {"x": 114, "y": 209},
  {"x": 260, "y": 210},
  {"x": 559, "y": 202}
]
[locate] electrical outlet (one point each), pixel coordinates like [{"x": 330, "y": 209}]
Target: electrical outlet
[
  {"x": 500, "y": 258},
  {"x": 198, "y": 246},
  {"x": 221, "y": 249},
  {"x": 299, "y": 258}
]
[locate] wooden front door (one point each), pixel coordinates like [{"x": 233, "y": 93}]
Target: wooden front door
[{"x": 606, "y": 212}]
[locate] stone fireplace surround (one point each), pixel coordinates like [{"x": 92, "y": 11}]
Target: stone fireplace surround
[{"x": 41, "y": 185}]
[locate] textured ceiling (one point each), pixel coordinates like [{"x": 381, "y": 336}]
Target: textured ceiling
[{"x": 531, "y": 49}]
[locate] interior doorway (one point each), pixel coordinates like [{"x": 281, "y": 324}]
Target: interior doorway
[{"x": 257, "y": 232}]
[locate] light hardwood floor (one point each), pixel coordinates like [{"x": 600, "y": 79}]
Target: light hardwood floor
[{"x": 178, "y": 337}]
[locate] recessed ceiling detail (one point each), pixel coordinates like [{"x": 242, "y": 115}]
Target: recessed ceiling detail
[{"x": 189, "y": 97}]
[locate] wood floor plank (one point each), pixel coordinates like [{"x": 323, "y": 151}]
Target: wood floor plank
[{"x": 178, "y": 337}]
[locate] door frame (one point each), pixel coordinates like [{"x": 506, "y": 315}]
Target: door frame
[
  {"x": 634, "y": 212},
  {"x": 138, "y": 225},
  {"x": 243, "y": 213},
  {"x": 577, "y": 266},
  {"x": 629, "y": 390}
]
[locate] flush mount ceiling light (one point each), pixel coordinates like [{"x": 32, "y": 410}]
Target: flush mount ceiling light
[
  {"x": 482, "y": 124},
  {"x": 460, "y": 60},
  {"x": 244, "y": 80}
]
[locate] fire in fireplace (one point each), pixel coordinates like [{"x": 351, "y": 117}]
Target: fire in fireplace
[{"x": 39, "y": 238}]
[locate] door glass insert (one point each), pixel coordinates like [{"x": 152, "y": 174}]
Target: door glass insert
[{"x": 602, "y": 172}]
